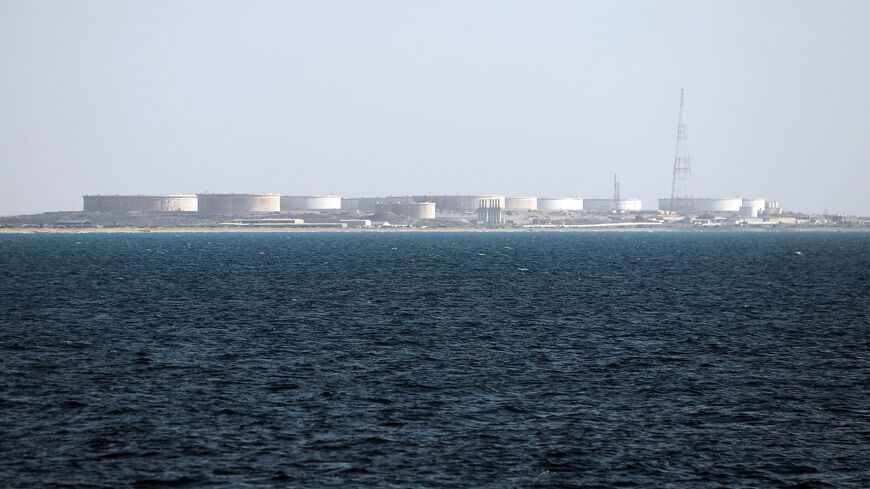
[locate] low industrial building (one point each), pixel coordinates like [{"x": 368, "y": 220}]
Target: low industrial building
[
  {"x": 269, "y": 221},
  {"x": 357, "y": 223},
  {"x": 283, "y": 223},
  {"x": 73, "y": 223},
  {"x": 140, "y": 203}
]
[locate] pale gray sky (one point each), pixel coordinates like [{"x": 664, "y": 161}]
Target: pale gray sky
[{"x": 400, "y": 97}]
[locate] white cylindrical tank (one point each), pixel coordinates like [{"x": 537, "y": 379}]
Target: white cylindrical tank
[
  {"x": 521, "y": 203},
  {"x": 752, "y": 207},
  {"x": 607, "y": 205},
  {"x": 718, "y": 205},
  {"x": 311, "y": 203},
  {"x": 560, "y": 204},
  {"x": 413, "y": 210},
  {"x": 238, "y": 203},
  {"x": 351, "y": 204},
  {"x": 460, "y": 203},
  {"x": 139, "y": 203},
  {"x": 730, "y": 204},
  {"x": 367, "y": 204},
  {"x": 631, "y": 205}
]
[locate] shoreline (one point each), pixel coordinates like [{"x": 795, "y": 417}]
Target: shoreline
[{"x": 591, "y": 229}]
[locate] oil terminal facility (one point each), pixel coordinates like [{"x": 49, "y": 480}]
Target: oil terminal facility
[
  {"x": 276, "y": 211},
  {"x": 140, "y": 203},
  {"x": 273, "y": 210}
]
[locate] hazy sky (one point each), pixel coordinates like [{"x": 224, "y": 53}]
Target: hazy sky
[{"x": 400, "y": 97}]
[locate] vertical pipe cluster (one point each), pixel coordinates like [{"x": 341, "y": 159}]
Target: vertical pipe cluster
[{"x": 490, "y": 211}]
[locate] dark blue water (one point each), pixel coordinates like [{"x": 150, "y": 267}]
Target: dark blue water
[{"x": 435, "y": 360}]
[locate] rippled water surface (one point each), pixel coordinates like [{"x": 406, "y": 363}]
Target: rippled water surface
[{"x": 435, "y": 360}]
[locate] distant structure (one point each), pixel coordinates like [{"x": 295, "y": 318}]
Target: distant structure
[
  {"x": 310, "y": 202},
  {"x": 490, "y": 211},
  {"x": 752, "y": 207},
  {"x": 412, "y": 210},
  {"x": 728, "y": 204},
  {"x": 628, "y": 204},
  {"x": 615, "y": 203},
  {"x": 368, "y": 204},
  {"x": 73, "y": 223},
  {"x": 616, "y": 198},
  {"x": 139, "y": 203},
  {"x": 521, "y": 203},
  {"x": 560, "y": 204},
  {"x": 238, "y": 203},
  {"x": 681, "y": 192},
  {"x": 460, "y": 203},
  {"x": 771, "y": 207}
]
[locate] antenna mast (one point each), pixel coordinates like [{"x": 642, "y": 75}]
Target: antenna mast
[
  {"x": 616, "y": 197},
  {"x": 681, "y": 192}
]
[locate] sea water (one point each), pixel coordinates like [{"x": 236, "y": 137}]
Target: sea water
[{"x": 632, "y": 359}]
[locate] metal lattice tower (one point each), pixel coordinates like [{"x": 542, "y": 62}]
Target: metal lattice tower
[
  {"x": 616, "y": 198},
  {"x": 681, "y": 191}
]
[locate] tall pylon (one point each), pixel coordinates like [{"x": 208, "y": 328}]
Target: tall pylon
[
  {"x": 616, "y": 198},
  {"x": 681, "y": 190}
]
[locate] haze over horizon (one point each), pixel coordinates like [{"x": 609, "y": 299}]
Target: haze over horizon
[{"x": 396, "y": 98}]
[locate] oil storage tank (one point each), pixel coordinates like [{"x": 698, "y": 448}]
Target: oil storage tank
[
  {"x": 728, "y": 204},
  {"x": 310, "y": 202},
  {"x": 139, "y": 203},
  {"x": 560, "y": 204},
  {"x": 238, "y": 203},
  {"x": 521, "y": 203},
  {"x": 752, "y": 207},
  {"x": 367, "y": 204},
  {"x": 607, "y": 205},
  {"x": 413, "y": 210},
  {"x": 461, "y": 203}
]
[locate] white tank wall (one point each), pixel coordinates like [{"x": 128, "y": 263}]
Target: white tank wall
[
  {"x": 139, "y": 203},
  {"x": 606, "y": 205},
  {"x": 367, "y": 204},
  {"x": 239, "y": 203},
  {"x": 628, "y": 205},
  {"x": 414, "y": 210},
  {"x": 460, "y": 203},
  {"x": 521, "y": 203},
  {"x": 321, "y": 202},
  {"x": 560, "y": 204},
  {"x": 732, "y": 204}
]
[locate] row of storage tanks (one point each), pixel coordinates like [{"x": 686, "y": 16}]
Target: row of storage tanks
[
  {"x": 419, "y": 207},
  {"x": 744, "y": 207},
  {"x": 465, "y": 203},
  {"x": 209, "y": 203}
]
